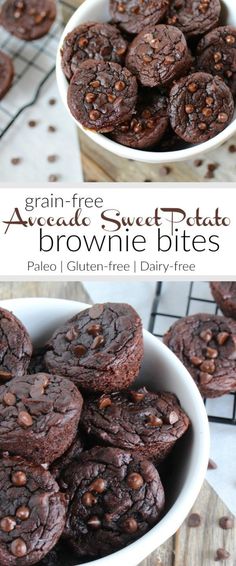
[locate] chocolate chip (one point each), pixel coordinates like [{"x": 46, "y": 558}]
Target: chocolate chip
[
  {"x": 52, "y": 158},
  {"x": 25, "y": 419},
  {"x": 23, "y": 513},
  {"x": 192, "y": 87},
  {"x": 196, "y": 361},
  {"x": 135, "y": 481},
  {"x": 226, "y": 523},
  {"x": 232, "y": 148},
  {"x": 71, "y": 334},
  {"x": 163, "y": 171},
  {"x": 95, "y": 84},
  {"x": 172, "y": 418},
  {"x": 98, "y": 485},
  {"x": 230, "y": 39},
  {"x": 212, "y": 166},
  {"x": 16, "y": 160},
  {"x": 7, "y": 524},
  {"x": 211, "y": 465},
  {"x": 189, "y": 109},
  {"x": 104, "y": 402},
  {"x": 202, "y": 126},
  {"x": 221, "y": 554},
  {"x": 222, "y": 337},
  {"x": 206, "y": 335},
  {"x": 52, "y": 101},
  {"x": 94, "y": 522},
  {"x": 209, "y": 175},
  {"x": 137, "y": 396},
  {"x": 198, "y": 162},
  {"x": 98, "y": 341},
  {"x": 52, "y": 129},
  {"x": 88, "y": 499},
  {"x": 94, "y": 329},
  {"x": 194, "y": 520},
  {"x": 212, "y": 353},
  {"x": 130, "y": 525},
  {"x": 204, "y": 378},
  {"x": 90, "y": 97},
  {"x": 222, "y": 117},
  {"x": 18, "y": 548},
  {"x": 79, "y": 350},
  {"x": 53, "y": 178},
  {"x": 154, "y": 421},
  {"x": 32, "y": 123},
  {"x": 119, "y": 86},
  {"x": 9, "y": 399},
  {"x": 19, "y": 479},
  {"x": 208, "y": 366}
]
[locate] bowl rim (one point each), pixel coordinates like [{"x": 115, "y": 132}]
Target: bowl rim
[
  {"x": 112, "y": 146},
  {"x": 173, "y": 519}
]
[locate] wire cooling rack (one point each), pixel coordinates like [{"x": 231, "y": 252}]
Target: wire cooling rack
[
  {"x": 173, "y": 301},
  {"x": 34, "y": 62}
]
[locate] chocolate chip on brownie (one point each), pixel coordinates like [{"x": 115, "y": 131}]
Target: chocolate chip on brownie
[
  {"x": 100, "y": 349},
  {"x": 28, "y": 19},
  {"x": 194, "y": 17},
  {"x": 133, "y": 15},
  {"x": 39, "y": 415},
  {"x": 216, "y": 54}
]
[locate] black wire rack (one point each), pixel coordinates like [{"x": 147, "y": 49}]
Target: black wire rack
[
  {"x": 34, "y": 63},
  {"x": 173, "y": 301}
]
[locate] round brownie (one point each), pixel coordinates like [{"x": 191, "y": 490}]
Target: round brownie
[
  {"x": 15, "y": 347},
  {"x": 206, "y": 344},
  {"x": 133, "y": 15},
  {"x": 73, "y": 453},
  {"x": 224, "y": 293},
  {"x": 102, "y": 42},
  {"x": 216, "y": 54},
  {"x": 148, "y": 125},
  {"x": 28, "y": 19},
  {"x": 100, "y": 348},
  {"x": 200, "y": 107},
  {"x": 146, "y": 424},
  {"x": 32, "y": 512},
  {"x": 158, "y": 56},
  {"x": 102, "y": 95},
  {"x": 39, "y": 415},
  {"x": 6, "y": 73},
  {"x": 114, "y": 499},
  {"x": 194, "y": 17}
]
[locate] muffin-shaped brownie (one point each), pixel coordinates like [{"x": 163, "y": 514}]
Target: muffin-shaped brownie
[
  {"x": 201, "y": 106},
  {"x": 32, "y": 512},
  {"x": 100, "y": 349},
  {"x": 149, "y": 124},
  {"x": 144, "y": 423},
  {"x": 102, "y": 42},
  {"x": 114, "y": 499},
  {"x": 194, "y": 17},
  {"x": 6, "y": 73},
  {"x": 206, "y": 344},
  {"x": 216, "y": 54},
  {"x": 158, "y": 55},
  {"x": 224, "y": 293},
  {"x": 39, "y": 415},
  {"x": 102, "y": 95},
  {"x": 28, "y": 19},
  {"x": 133, "y": 15},
  {"x": 15, "y": 347}
]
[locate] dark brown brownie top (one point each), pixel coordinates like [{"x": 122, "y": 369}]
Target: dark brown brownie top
[
  {"x": 15, "y": 347},
  {"x": 28, "y": 19},
  {"x": 194, "y": 17},
  {"x": 134, "y": 15},
  {"x": 115, "y": 499},
  {"x": 32, "y": 512}
]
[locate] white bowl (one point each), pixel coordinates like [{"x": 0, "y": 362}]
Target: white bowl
[
  {"x": 161, "y": 370},
  {"x": 98, "y": 10}
]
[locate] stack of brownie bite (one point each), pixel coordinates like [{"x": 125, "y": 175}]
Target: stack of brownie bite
[
  {"x": 79, "y": 473},
  {"x": 160, "y": 75}
]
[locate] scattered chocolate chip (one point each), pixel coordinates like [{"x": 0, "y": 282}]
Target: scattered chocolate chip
[
  {"x": 80, "y": 350},
  {"x": 94, "y": 522},
  {"x": 226, "y": 523},
  {"x": 198, "y": 162},
  {"x": 209, "y": 175},
  {"x": 98, "y": 341},
  {"x": 32, "y": 123},
  {"x": 135, "y": 481},
  {"x": 88, "y": 499},
  {"x": 23, "y": 513},
  {"x": 137, "y": 396},
  {"x": 16, "y": 160},
  {"x": 52, "y": 129},
  {"x": 104, "y": 402},
  {"x": 212, "y": 465},
  {"x": 19, "y": 479},
  {"x": 163, "y": 171},
  {"x": 98, "y": 485},
  {"x": 9, "y": 399},
  {"x": 194, "y": 520},
  {"x": 206, "y": 335},
  {"x": 52, "y": 101},
  {"x": 94, "y": 329},
  {"x": 7, "y": 524},
  {"x": 221, "y": 554},
  {"x": 212, "y": 166},
  {"x": 222, "y": 337},
  {"x": 52, "y": 158},
  {"x": 53, "y": 178},
  {"x": 130, "y": 525},
  {"x": 18, "y": 548},
  {"x": 25, "y": 419},
  {"x": 232, "y": 148}
]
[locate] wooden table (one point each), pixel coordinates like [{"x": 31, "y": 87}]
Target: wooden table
[{"x": 189, "y": 547}]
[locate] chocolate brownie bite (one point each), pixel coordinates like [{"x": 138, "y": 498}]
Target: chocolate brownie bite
[
  {"x": 216, "y": 54},
  {"x": 98, "y": 41},
  {"x": 28, "y": 19},
  {"x": 201, "y": 106},
  {"x": 158, "y": 56},
  {"x": 224, "y": 293},
  {"x": 102, "y": 95},
  {"x": 206, "y": 345},
  {"x": 146, "y": 424},
  {"x": 133, "y": 15},
  {"x": 6, "y": 74},
  {"x": 194, "y": 17},
  {"x": 100, "y": 348},
  {"x": 32, "y": 512},
  {"x": 114, "y": 499},
  {"x": 72, "y": 454},
  {"x": 15, "y": 347},
  {"x": 39, "y": 415},
  {"x": 148, "y": 125}
]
